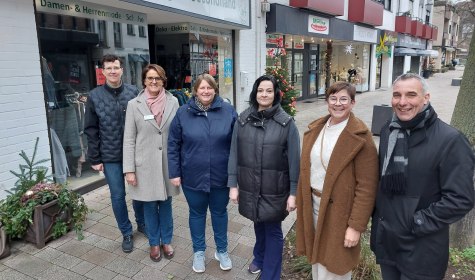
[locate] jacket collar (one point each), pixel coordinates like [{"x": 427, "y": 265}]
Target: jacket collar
[
  {"x": 275, "y": 112},
  {"x": 346, "y": 148},
  {"x": 114, "y": 91},
  {"x": 217, "y": 104},
  {"x": 143, "y": 108}
]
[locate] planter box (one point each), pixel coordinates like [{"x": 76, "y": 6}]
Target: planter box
[{"x": 44, "y": 217}]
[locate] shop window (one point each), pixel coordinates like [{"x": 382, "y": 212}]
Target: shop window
[
  {"x": 386, "y": 3},
  {"x": 117, "y": 35},
  {"x": 67, "y": 22},
  {"x": 130, "y": 30},
  {"x": 102, "y": 32},
  {"x": 142, "y": 31},
  {"x": 51, "y": 21}
]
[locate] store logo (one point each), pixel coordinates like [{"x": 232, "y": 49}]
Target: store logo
[{"x": 319, "y": 25}]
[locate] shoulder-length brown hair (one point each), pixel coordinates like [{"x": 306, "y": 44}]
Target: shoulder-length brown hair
[{"x": 160, "y": 71}]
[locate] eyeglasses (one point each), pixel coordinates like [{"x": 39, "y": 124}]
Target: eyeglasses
[
  {"x": 151, "y": 79},
  {"x": 343, "y": 100},
  {"x": 115, "y": 68}
]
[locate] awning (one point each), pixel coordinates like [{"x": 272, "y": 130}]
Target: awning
[
  {"x": 137, "y": 58},
  {"x": 431, "y": 53},
  {"x": 404, "y": 51}
]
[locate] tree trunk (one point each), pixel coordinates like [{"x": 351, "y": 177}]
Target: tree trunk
[{"x": 462, "y": 233}]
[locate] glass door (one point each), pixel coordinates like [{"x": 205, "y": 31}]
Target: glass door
[
  {"x": 378, "y": 71},
  {"x": 297, "y": 72},
  {"x": 312, "y": 72}
]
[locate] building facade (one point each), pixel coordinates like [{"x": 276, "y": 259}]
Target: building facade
[
  {"x": 447, "y": 18},
  {"x": 50, "y": 59}
]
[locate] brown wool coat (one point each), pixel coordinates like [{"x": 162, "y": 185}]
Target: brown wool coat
[{"x": 347, "y": 199}]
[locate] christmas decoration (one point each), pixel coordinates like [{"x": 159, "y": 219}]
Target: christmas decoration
[
  {"x": 348, "y": 49},
  {"x": 281, "y": 74}
]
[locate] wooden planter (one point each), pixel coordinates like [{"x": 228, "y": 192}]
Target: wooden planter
[{"x": 44, "y": 217}]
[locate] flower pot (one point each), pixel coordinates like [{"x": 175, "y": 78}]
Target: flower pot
[{"x": 44, "y": 218}]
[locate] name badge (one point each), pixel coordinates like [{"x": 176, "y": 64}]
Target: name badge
[{"x": 148, "y": 117}]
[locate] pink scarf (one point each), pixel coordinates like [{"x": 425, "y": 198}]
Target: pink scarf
[{"x": 156, "y": 104}]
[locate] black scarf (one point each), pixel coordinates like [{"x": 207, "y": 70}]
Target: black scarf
[{"x": 394, "y": 171}]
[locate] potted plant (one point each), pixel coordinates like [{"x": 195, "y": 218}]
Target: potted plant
[{"x": 38, "y": 209}]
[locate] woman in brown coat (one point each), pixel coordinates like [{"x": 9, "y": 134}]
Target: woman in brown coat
[{"x": 337, "y": 187}]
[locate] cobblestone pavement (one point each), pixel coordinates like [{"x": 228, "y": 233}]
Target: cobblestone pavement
[{"x": 99, "y": 255}]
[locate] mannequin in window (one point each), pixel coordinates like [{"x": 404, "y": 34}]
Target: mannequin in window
[
  {"x": 343, "y": 75},
  {"x": 351, "y": 73}
]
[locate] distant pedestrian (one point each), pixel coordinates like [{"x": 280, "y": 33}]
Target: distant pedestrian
[
  {"x": 104, "y": 128},
  {"x": 426, "y": 184}
]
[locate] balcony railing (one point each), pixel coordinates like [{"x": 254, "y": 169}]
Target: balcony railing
[
  {"x": 403, "y": 23},
  {"x": 333, "y": 7},
  {"x": 416, "y": 29},
  {"x": 427, "y": 31},
  {"x": 365, "y": 11}
]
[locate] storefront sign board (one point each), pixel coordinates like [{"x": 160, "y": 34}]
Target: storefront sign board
[
  {"x": 90, "y": 10},
  {"x": 365, "y": 34},
  {"x": 232, "y": 11},
  {"x": 318, "y": 25}
]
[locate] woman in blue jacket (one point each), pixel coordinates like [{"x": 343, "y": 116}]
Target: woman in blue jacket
[{"x": 198, "y": 153}]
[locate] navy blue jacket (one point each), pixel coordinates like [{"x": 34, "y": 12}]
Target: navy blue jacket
[
  {"x": 105, "y": 120},
  {"x": 199, "y": 143}
]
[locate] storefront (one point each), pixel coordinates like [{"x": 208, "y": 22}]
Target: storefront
[
  {"x": 187, "y": 50},
  {"x": 407, "y": 54},
  {"x": 74, "y": 35},
  {"x": 319, "y": 50},
  {"x": 384, "y": 57}
]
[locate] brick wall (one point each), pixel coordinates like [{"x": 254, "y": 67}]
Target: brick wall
[{"x": 22, "y": 109}]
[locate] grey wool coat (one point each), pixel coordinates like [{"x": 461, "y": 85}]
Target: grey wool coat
[{"x": 145, "y": 149}]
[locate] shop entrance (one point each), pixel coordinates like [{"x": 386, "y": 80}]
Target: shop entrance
[
  {"x": 305, "y": 72},
  {"x": 297, "y": 71}
]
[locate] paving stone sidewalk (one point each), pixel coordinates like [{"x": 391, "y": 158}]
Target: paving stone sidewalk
[{"x": 99, "y": 255}]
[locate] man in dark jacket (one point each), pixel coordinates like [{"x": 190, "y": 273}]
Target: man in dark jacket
[
  {"x": 104, "y": 127},
  {"x": 426, "y": 184}
]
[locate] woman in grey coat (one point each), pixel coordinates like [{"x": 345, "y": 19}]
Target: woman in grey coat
[{"x": 145, "y": 158}]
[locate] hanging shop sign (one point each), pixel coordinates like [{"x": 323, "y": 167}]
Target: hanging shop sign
[
  {"x": 365, "y": 34},
  {"x": 410, "y": 42},
  {"x": 387, "y": 39},
  {"x": 176, "y": 28},
  {"x": 232, "y": 11},
  {"x": 90, "y": 10},
  {"x": 318, "y": 25},
  {"x": 275, "y": 39}
]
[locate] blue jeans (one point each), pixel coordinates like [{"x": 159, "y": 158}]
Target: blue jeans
[
  {"x": 268, "y": 249},
  {"x": 115, "y": 179},
  {"x": 217, "y": 201},
  {"x": 158, "y": 221}
]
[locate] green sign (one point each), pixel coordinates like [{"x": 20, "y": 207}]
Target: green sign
[{"x": 90, "y": 10}]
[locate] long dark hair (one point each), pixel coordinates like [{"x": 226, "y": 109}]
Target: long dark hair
[{"x": 253, "y": 95}]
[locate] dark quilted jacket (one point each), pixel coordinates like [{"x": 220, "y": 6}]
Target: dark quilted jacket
[{"x": 104, "y": 122}]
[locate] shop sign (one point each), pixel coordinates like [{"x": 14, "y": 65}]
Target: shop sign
[
  {"x": 176, "y": 28},
  {"x": 386, "y": 40},
  {"x": 298, "y": 45},
  {"x": 90, "y": 10},
  {"x": 318, "y": 25},
  {"x": 275, "y": 39},
  {"x": 232, "y": 11},
  {"x": 410, "y": 42},
  {"x": 365, "y": 34}
]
